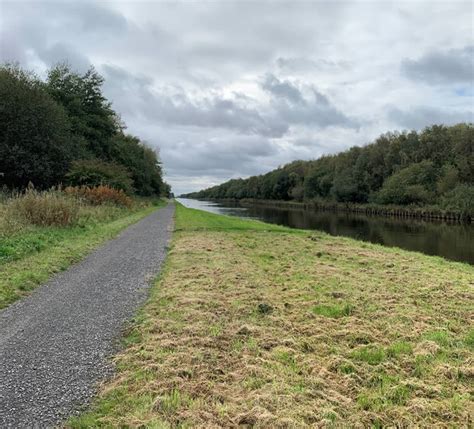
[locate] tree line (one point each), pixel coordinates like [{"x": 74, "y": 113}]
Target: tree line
[
  {"x": 63, "y": 130},
  {"x": 434, "y": 167}
]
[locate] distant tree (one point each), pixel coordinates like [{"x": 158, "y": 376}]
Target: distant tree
[
  {"x": 448, "y": 179},
  {"x": 460, "y": 198},
  {"x": 411, "y": 185},
  {"x": 397, "y": 168},
  {"x": 35, "y": 139}
]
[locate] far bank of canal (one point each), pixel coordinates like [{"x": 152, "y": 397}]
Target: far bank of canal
[{"x": 454, "y": 241}]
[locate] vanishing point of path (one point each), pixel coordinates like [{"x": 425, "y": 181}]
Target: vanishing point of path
[{"x": 55, "y": 343}]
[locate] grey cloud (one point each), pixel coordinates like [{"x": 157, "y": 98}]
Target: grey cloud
[
  {"x": 219, "y": 156},
  {"x": 454, "y": 65},
  {"x": 420, "y": 117},
  {"x": 174, "y": 106},
  {"x": 309, "y": 108},
  {"x": 11, "y": 49},
  {"x": 303, "y": 64},
  {"x": 59, "y": 53},
  {"x": 97, "y": 18},
  {"x": 282, "y": 89},
  {"x": 192, "y": 79},
  {"x": 211, "y": 112}
]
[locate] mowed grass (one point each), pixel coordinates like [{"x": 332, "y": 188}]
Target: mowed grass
[
  {"x": 255, "y": 325},
  {"x": 30, "y": 254}
]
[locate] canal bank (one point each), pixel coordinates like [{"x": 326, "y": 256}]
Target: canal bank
[
  {"x": 451, "y": 240},
  {"x": 260, "y": 325}
]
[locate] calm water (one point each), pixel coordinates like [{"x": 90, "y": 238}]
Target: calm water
[{"x": 452, "y": 241}]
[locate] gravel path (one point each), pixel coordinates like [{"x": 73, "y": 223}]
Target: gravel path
[{"x": 55, "y": 344}]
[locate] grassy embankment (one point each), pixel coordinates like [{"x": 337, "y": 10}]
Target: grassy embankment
[
  {"x": 30, "y": 253},
  {"x": 258, "y": 325}
]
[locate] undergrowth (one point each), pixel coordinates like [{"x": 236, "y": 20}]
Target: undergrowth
[{"x": 44, "y": 232}]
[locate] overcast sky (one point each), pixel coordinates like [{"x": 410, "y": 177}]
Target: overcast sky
[{"x": 230, "y": 89}]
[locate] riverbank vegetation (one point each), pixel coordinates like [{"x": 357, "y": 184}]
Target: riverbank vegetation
[
  {"x": 43, "y": 232},
  {"x": 433, "y": 169},
  {"x": 263, "y": 326},
  {"x": 64, "y": 131}
]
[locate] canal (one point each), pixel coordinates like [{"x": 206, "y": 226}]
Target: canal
[{"x": 453, "y": 241}]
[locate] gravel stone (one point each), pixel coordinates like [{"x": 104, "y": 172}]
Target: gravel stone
[{"x": 56, "y": 344}]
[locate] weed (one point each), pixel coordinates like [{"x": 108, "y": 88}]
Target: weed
[
  {"x": 399, "y": 348},
  {"x": 336, "y": 310},
  {"x": 100, "y": 195},
  {"x": 50, "y": 208},
  {"x": 372, "y": 355},
  {"x": 469, "y": 339},
  {"x": 439, "y": 337},
  {"x": 346, "y": 368}
]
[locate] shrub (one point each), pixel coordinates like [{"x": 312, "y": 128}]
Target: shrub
[
  {"x": 410, "y": 185},
  {"x": 461, "y": 198},
  {"x": 100, "y": 195},
  {"x": 46, "y": 208},
  {"x": 95, "y": 173}
]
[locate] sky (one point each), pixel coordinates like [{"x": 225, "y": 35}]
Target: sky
[{"x": 227, "y": 89}]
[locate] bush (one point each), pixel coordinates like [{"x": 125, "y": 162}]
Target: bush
[
  {"x": 461, "y": 198},
  {"x": 100, "y": 195},
  {"x": 95, "y": 173},
  {"x": 49, "y": 208},
  {"x": 410, "y": 185}
]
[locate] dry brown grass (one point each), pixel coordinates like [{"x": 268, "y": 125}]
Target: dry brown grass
[
  {"x": 352, "y": 335},
  {"x": 100, "y": 195},
  {"x": 42, "y": 208}
]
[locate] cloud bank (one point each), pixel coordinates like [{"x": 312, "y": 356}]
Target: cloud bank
[{"x": 230, "y": 89}]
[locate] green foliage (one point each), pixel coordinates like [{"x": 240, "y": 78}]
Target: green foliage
[
  {"x": 93, "y": 172},
  {"x": 460, "y": 198},
  {"x": 370, "y": 354},
  {"x": 398, "y": 168},
  {"x": 35, "y": 144},
  {"x": 47, "y": 126},
  {"x": 410, "y": 185},
  {"x": 142, "y": 162},
  {"x": 92, "y": 118},
  {"x": 335, "y": 311}
]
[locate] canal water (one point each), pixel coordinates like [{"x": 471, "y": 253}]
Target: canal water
[{"x": 453, "y": 241}]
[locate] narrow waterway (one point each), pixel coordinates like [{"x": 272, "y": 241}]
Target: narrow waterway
[{"x": 453, "y": 241}]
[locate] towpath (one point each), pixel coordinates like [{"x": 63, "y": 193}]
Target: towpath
[{"x": 56, "y": 343}]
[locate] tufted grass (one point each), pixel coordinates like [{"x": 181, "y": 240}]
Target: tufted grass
[{"x": 353, "y": 335}]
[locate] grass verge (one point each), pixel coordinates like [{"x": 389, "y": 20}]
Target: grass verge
[
  {"x": 257, "y": 325},
  {"x": 29, "y": 256}
]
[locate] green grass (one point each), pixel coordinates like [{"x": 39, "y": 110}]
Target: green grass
[
  {"x": 335, "y": 311},
  {"x": 29, "y": 256},
  {"x": 198, "y": 220},
  {"x": 347, "y": 343},
  {"x": 370, "y": 354}
]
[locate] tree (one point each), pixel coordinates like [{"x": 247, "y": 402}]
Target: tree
[
  {"x": 398, "y": 168},
  {"x": 141, "y": 161},
  {"x": 412, "y": 185},
  {"x": 93, "y": 121},
  {"x": 35, "y": 139},
  {"x": 95, "y": 172}
]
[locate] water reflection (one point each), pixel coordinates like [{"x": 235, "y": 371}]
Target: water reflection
[{"x": 452, "y": 241}]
